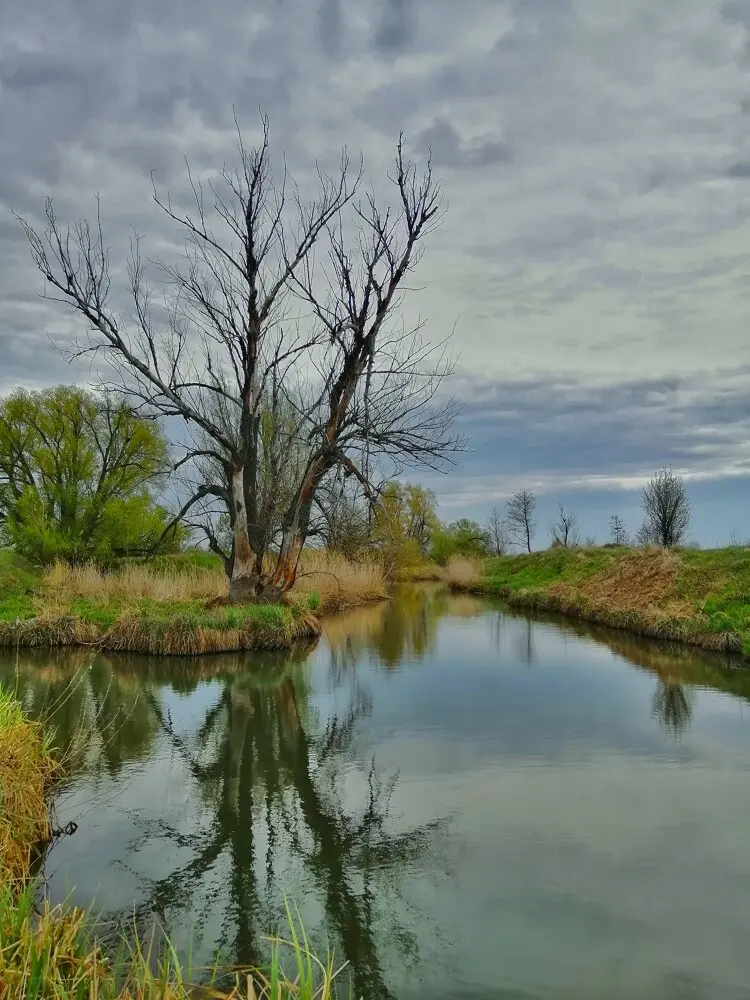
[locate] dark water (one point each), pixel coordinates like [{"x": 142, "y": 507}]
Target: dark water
[{"x": 466, "y": 802}]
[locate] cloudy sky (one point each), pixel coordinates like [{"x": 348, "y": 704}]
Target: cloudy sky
[{"x": 595, "y": 160}]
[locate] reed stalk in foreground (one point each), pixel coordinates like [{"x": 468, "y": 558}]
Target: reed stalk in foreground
[{"x": 52, "y": 953}]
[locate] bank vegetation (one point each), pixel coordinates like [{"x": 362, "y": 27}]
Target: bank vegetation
[{"x": 687, "y": 595}]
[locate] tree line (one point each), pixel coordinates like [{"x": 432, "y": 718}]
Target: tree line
[{"x": 81, "y": 475}]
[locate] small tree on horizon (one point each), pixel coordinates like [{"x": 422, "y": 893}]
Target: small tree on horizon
[
  {"x": 564, "y": 531},
  {"x": 666, "y": 509},
  {"x": 497, "y": 533},
  {"x": 618, "y": 530},
  {"x": 520, "y": 517}
]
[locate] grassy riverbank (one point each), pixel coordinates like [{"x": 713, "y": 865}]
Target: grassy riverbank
[
  {"x": 174, "y": 605},
  {"x": 695, "y": 596},
  {"x": 53, "y": 953}
]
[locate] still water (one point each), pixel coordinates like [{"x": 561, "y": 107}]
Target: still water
[{"x": 466, "y": 802}]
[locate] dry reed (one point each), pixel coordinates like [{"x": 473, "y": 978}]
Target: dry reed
[
  {"x": 462, "y": 573},
  {"x": 337, "y": 582},
  {"x": 62, "y": 584},
  {"x": 26, "y": 773}
]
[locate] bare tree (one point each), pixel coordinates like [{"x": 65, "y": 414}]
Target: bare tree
[
  {"x": 284, "y": 364},
  {"x": 618, "y": 530},
  {"x": 520, "y": 518},
  {"x": 666, "y": 508},
  {"x": 564, "y": 530},
  {"x": 497, "y": 533},
  {"x": 644, "y": 536}
]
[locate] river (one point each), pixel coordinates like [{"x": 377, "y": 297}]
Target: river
[{"x": 467, "y": 802}]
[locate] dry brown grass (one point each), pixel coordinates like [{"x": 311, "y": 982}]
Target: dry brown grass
[
  {"x": 426, "y": 572},
  {"x": 180, "y": 636},
  {"x": 26, "y": 773},
  {"x": 636, "y": 581},
  {"x": 49, "y": 629},
  {"x": 462, "y": 573},
  {"x": 62, "y": 584},
  {"x": 337, "y": 582}
]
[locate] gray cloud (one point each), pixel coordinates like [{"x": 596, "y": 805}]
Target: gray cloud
[
  {"x": 562, "y": 433},
  {"x": 396, "y": 27},
  {"x": 450, "y": 150},
  {"x": 739, "y": 169}
]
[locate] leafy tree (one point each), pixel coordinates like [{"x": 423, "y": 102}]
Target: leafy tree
[
  {"x": 666, "y": 509},
  {"x": 462, "y": 538},
  {"x": 75, "y": 472},
  {"x": 405, "y": 520}
]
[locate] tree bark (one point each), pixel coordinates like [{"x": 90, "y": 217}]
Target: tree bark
[{"x": 243, "y": 585}]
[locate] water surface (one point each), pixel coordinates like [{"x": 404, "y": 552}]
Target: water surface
[{"x": 464, "y": 801}]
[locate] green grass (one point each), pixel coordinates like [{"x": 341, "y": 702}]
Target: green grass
[
  {"x": 541, "y": 569},
  {"x": 18, "y": 580},
  {"x": 191, "y": 559},
  {"x": 705, "y": 599}
]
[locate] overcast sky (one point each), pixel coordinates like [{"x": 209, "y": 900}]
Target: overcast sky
[{"x": 595, "y": 159}]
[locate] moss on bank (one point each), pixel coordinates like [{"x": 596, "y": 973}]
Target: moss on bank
[{"x": 700, "y": 597}]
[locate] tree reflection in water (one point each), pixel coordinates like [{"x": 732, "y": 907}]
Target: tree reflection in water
[
  {"x": 672, "y": 706},
  {"x": 267, "y": 771},
  {"x": 95, "y": 712}
]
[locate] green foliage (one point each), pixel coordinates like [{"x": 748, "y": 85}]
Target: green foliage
[
  {"x": 404, "y": 524},
  {"x": 17, "y": 583},
  {"x": 462, "y": 538},
  {"x": 75, "y": 471},
  {"x": 313, "y": 601}
]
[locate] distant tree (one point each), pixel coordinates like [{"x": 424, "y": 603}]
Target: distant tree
[
  {"x": 462, "y": 538},
  {"x": 644, "y": 536},
  {"x": 75, "y": 477},
  {"x": 497, "y": 533},
  {"x": 666, "y": 508},
  {"x": 564, "y": 530},
  {"x": 520, "y": 518},
  {"x": 405, "y": 518},
  {"x": 618, "y": 530}
]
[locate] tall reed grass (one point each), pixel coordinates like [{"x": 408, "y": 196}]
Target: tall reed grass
[
  {"x": 26, "y": 773},
  {"x": 462, "y": 573},
  {"x": 54, "y": 953},
  {"x": 337, "y": 582},
  {"x": 61, "y": 584},
  {"x": 334, "y": 580}
]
